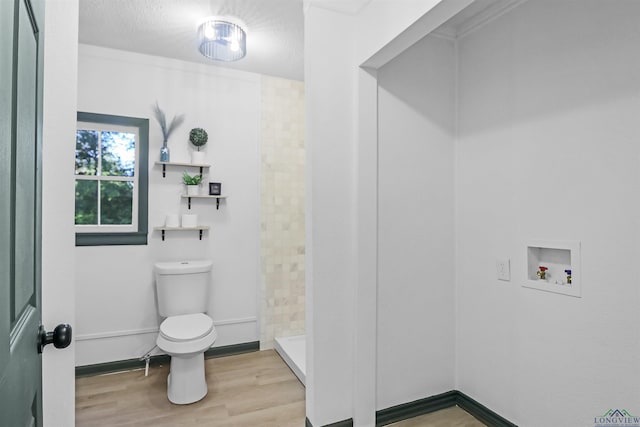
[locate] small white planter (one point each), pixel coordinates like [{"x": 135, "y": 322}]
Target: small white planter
[
  {"x": 197, "y": 157},
  {"x": 193, "y": 190},
  {"x": 189, "y": 220},
  {"x": 172, "y": 220}
]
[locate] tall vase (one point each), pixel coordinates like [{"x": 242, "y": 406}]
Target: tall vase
[{"x": 164, "y": 152}]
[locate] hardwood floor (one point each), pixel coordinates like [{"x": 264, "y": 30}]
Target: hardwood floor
[
  {"x": 450, "y": 417},
  {"x": 252, "y": 389}
]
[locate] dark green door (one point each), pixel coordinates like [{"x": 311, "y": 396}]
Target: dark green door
[{"x": 21, "y": 29}]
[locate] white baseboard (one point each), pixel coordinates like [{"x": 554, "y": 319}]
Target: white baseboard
[{"x": 110, "y": 346}]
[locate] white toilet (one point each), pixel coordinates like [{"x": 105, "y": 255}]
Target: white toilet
[{"x": 186, "y": 332}]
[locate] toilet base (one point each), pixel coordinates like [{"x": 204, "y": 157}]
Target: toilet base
[{"x": 186, "y": 382}]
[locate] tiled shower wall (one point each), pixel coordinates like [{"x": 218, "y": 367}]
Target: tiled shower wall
[{"x": 282, "y": 210}]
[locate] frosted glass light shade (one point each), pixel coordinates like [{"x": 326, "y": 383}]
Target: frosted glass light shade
[{"x": 222, "y": 40}]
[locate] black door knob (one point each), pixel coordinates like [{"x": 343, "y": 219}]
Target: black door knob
[{"x": 60, "y": 337}]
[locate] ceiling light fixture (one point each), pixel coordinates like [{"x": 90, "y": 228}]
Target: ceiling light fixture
[{"x": 222, "y": 39}]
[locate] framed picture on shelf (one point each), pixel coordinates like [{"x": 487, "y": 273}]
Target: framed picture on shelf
[{"x": 215, "y": 188}]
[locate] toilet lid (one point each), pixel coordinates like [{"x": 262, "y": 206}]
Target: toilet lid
[{"x": 186, "y": 327}]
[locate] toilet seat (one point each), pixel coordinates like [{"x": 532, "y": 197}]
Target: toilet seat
[
  {"x": 186, "y": 327},
  {"x": 186, "y": 334}
]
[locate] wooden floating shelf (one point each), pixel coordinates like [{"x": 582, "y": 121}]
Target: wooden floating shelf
[
  {"x": 199, "y": 228},
  {"x": 194, "y": 165},
  {"x": 203, "y": 196}
]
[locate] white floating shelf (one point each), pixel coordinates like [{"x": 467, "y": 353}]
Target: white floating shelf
[{"x": 556, "y": 256}]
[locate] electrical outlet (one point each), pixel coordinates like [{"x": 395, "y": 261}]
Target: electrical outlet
[{"x": 503, "y": 269}]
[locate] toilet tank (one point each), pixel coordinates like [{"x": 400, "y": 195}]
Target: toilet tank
[{"x": 182, "y": 287}]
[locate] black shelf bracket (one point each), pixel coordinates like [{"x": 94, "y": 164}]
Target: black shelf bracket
[
  {"x": 164, "y": 171},
  {"x": 163, "y": 235},
  {"x": 200, "y": 234},
  {"x": 189, "y": 203}
]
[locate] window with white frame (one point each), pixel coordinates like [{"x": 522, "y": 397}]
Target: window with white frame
[{"x": 111, "y": 180}]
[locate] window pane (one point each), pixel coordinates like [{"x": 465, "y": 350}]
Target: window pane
[
  {"x": 116, "y": 202},
  {"x": 86, "y": 152},
  {"x": 86, "y": 202},
  {"x": 119, "y": 159},
  {"x": 118, "y": 153}
]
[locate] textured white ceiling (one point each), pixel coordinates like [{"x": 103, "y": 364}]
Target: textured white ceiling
[
  {"x": 168, "y": 28},
  {"x": 350, "y": 7}
]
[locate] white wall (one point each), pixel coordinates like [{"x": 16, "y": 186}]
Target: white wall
[
  {"x": 385, "y": 26},
  {"x": 116, "y": 307},
  {"x": 330, "y": 210},
  {"x": 548, "y": 96},
  {"x": 415, "y": 322},
  {"x": 341, "y": 168},
  {"x": 548, "y": 149},
  {"x": 58, "y": 261}
]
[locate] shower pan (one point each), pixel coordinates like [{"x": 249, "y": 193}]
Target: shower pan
[{"x": 292, "y": 350}]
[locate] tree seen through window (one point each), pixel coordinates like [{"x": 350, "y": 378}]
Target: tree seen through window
[{"x": 105, "y": 177}]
